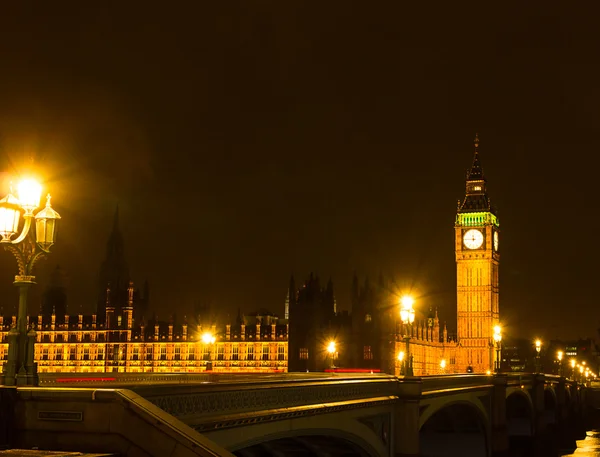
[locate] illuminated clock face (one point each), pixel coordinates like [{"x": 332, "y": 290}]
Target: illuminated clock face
[
  {"x": 495, "y": 241},
  {"x": 473, "y": 239}
]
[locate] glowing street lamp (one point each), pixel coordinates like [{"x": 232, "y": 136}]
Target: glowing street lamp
[
  {"x": 538, "y": 349},
  {"x": 443, "y": 365},
  {"x": 407, "y": 315},
  {"x": 559, "y": 357},
  {"x": 400, "y": 359},
  {"x": 573, "y": 362},
  {"x": 32, "y": 242},
  {"x": 209, "y": 340},
  {"x": 331, "y": 349},
  {"x": 498, "y": 341}
]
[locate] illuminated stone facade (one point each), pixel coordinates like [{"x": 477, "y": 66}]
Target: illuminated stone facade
[
  {"x": 80, "y": 344},
  {"x": 118, "y": 339}
]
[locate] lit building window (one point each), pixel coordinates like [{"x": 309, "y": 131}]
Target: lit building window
[
  {"x": 367, "y": 353},
  {"x": 163, "y": 353},
  {"x": 251, "y": 352},
  {"x": 86, "y": 353},
  {"x": 235, "y": 355},
  {"x": 177, "y": 352},
  {"x": 265, "y": 353},
  {"x": 136, "y": 353},
  {"x": 221, "y": 353},
  {"x": 303, "y": 353},
  {"x": 280, "y": 353}
]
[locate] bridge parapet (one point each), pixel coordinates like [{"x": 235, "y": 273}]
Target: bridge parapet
[
  {"x": 195, "y": 404},
  {"x": 103, "y": 420}
]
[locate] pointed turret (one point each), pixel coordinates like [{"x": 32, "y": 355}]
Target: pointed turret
[
  {"x": 114, "y": 270},
  {"x": 355, "y": 294},
  {"x": 476, "y": 172},
  {"x": 476, "y": 198}
]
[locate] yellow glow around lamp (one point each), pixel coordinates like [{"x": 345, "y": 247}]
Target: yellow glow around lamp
[
  {"x": 497, "y": 333},
  {"x": 29, "y": 192},
  {"x": 407, "y": 313},
  {"x": 207, "y": 338},
  {"x": 331, "y": 347}
]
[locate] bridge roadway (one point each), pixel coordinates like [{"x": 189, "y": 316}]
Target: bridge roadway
[{"x": 273, "y": 414}]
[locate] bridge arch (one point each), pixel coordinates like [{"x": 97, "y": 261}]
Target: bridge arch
[
  {"x": 454, "y": 426},
  {"x": 550, "y": 402},
  {"x": 306, "y": 445},
  {"x": 320, "y": 435},
  {"x": 519, "y": 413}
]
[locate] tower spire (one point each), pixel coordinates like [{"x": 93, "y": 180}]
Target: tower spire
[{"x": 476, "y": 172}]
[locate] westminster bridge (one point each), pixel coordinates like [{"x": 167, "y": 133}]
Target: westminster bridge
[{"x": 301, "y": 414}]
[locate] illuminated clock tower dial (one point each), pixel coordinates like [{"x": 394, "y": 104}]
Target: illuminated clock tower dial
[
  {"x": 496, "y": 241},
  {"x": 473, "y": 239}
]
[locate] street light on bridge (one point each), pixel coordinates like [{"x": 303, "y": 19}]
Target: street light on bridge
[
  {"x": 538, "y": 349},
  {"x": 331, "y": 349},
  {"x": 498, "y": 341},
  {"x": 32, "y": 243},
  {"x": 559, "y": 357},
  {"x": 443, "y": 365},
  {"x": 407, "y": 315},
  {"x": 573, "y": 362},
  {"x": 209, "y": 340}
]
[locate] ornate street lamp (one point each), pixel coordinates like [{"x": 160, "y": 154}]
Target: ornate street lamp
[
  {"x": 37, "y": 235},
  {"x": 498, "y": 341},
  {"x": 407, "y": 316},
  {"x": 209, "y": 340},
  {"x": 538, "y": 349},
  {"x": 331, "y": 349},
  {"x": 573, "y": 362},
  {"x": 559, "y": 357}
]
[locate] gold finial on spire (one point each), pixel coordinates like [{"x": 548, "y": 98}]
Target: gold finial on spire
[{"x": 476, "y": 141}]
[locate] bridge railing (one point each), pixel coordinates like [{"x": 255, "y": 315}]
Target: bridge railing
[
  {"x": 450, "y": 382},
  {"x": 127, "y": 379}
]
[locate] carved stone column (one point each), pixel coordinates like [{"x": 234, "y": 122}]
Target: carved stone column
[{"x": 406, "y": 418}]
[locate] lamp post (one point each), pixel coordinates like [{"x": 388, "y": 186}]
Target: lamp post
[
  {"x": 538, "y": 349},
  {"x": 209, "y": 340},
  {"x": 559, "y": 356},
  {"x": 331, "y": 350},
  {"x": 407, "y": 315},
  {"x": 443, "y": 366},
  {"x": 32, "y": 242},
  {"x": 573, "y": 362},
  {"x": 498, "y": 341}
]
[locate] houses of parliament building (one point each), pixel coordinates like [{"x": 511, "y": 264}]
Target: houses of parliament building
[{"x": 120, "y": 336}]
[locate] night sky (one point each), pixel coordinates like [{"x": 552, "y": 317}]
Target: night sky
[{"x": 246, "y": 141}]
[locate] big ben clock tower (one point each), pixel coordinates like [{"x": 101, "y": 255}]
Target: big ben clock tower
[{"x": 476, "y": 245}]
